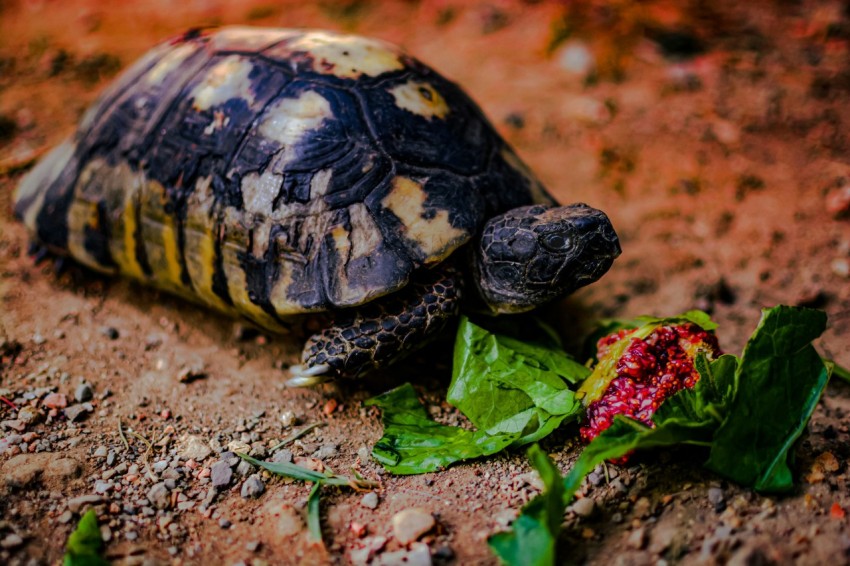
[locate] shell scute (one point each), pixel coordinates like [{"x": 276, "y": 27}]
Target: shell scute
[{"x": 275, "y": 172}]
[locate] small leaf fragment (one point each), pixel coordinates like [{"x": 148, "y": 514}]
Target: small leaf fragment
[
  {"x": 414, "y": 444},
  {"x": 532, "y": 541},
  {"x": 85, "y": 544},
  {"x": 314, "y": 523}
]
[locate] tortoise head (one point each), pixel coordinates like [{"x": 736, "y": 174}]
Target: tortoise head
[{"x": 531, "y": 255}]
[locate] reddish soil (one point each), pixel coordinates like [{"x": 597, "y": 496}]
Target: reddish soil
[{"x": 716, "y": 138}]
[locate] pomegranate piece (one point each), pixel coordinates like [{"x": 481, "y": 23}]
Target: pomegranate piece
[{"x": 641, "y": 367}]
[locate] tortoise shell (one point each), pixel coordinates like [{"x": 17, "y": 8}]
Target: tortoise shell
[{"x": 274, "y": 172}]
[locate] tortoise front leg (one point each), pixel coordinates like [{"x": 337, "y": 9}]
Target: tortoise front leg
[{"x": 379, "y": 333}]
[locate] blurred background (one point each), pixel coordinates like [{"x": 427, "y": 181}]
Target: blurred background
[{"x": 714, "y": 134}]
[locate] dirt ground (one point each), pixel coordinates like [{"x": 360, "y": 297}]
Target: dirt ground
[{"x": 715, "y": 135}]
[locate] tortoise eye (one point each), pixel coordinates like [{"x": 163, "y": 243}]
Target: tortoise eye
[{"x": 556, "y": 242}]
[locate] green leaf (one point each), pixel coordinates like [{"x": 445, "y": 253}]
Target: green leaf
[
  {"x": 415, "y": 444},
  {"x": 85, "y": 544},
  {"x": 314, "y": 523},
  {"x": 838, "y": 371},
  {"x": 506, "y": 386},
  {"x": 533, "y": 538},
  {"x": 780, "y": 380}
]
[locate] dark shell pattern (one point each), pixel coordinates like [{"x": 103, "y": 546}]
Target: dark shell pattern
[{"x": 274, "y": 172}]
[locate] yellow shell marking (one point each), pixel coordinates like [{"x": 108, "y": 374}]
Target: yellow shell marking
[
  {"x": 159, "y": 233},
  {"x": 200, "y": 243},
  {"x": 225, "y": 81},
  {"x": 126, "y": 256},
  {"x": 234, "y": 244},
  {"x": 259, "y": 191},
  {"x": 435, "y": 236},
  {"x": 420, "y": 98},
  {"x": 288, "y": 119},
  {"x": 344, "y": 56},
  {"x": 122, "y": 186}
]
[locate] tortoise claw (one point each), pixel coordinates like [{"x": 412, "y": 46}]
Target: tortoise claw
[{"x": 303, "y": 376}]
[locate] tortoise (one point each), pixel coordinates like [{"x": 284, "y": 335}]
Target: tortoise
[{"x": 276, "y": 174}]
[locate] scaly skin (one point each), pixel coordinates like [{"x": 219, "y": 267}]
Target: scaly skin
[{"x": 370, "y": 337}]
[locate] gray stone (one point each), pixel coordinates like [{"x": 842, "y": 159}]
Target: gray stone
[
  {"x": 418, "y": 555},
  {"x": 194, "y": 448},
  {"x": 101, "y": 452},
  {"x": 253, "y": 487},
  {"x": 11, "y": 541},
  {"x": 244, "y": 468},
  {"x": 220, "y": 475},
  {"x": 75, "y": 504},
  {"x": 159, "y": 496},
  {"x": 103, "y": 487},
  {"x": 282, "y": 456},
  {"x": 30, "y": 415},
  {"x": 662, "y": 537},
  {"x": 410, "y": 524},
  {"x": 326, "y": 451},
  {"x": 253, "y": 546},
  {"x": 717, "y": 498},
  {"x": 370, "y": 500},
  {"x": 65, "y": 517},
  {"x": 10, "y": 440},
  {"x": 83, "y": 392},
  {"x": 76, "y": 412},
  {"x": 637, "y": 538},
  {"x": 583, "y": 507}
]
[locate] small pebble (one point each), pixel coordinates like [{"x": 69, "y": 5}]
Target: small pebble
[
  {"x": 224, "y": 523},
  {"x": 244, "y": 468},
  {"x": 11, "y": 541},
  {"x": 221, "y": 474},
  {"x": 55, "y": 401},
  {"x": 287, "y": 419},
  {"x": 717, "y": 498},
  {"x": 410, "y": 524},
  {"x": 326, "y": 451},
  {"x": 282, "y": 456},
  {"x": 637, "y": 538},
  {"x": 252, "y": 546},
  {"x": 75, "y": 504},
  {"x": 110, "y": 332},
  {"x": 159, "y": 496},
  {"x": 76, "y": 412},
  {"x": 131, "y": 535},
  {"x": 83, "y": 392},
  {"x": 583, "y": 507},
  {"x": 253, "y": 487},
  {"x": 370, "y": 500},
  {"x": 30, "y": 415}
]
